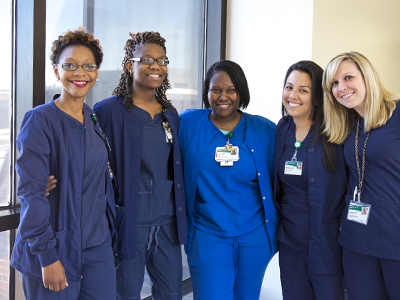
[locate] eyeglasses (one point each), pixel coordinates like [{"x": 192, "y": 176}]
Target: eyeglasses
[
  {"x": 150, "y": 60},
  {"x": 73, "y": 67}
]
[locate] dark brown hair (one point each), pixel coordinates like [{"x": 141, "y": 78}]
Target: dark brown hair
[{"x": 317, "y": 109}]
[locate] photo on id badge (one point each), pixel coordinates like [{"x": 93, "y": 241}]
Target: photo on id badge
[{"x": 293, "y": 167}]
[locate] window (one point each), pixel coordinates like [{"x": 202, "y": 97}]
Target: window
[
  {"x": 5, "y": 99},
  {"x": 180, "y": 22}
]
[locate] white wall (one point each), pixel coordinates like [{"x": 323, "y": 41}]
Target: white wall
[{"x": 265, "y": 37}]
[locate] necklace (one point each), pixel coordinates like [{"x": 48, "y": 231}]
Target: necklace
[{"x": 360, "y": 177}]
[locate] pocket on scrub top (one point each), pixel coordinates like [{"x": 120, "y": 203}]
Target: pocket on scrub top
[
  {"x": 390, "y": 222},
  {"x": 145, "y": 199}
]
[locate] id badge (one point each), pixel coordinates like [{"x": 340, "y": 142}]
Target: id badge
[
  {"x": 224, "y": 154},
  {"x": 168, "y": 133},
  {"x": 358, "y": 212},
  {"x": 293, "y": 168}
]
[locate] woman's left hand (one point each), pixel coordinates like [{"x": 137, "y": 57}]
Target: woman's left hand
[{"x": 51, "y": 185}]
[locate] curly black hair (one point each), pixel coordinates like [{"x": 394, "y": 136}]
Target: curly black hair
[
  {"x": 124, "y": 88},
  {"x": 78, "y": 37}
]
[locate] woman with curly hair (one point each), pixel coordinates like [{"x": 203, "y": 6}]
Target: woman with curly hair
[
  {"x": 142, "y": 126},
  {"x": 63, "y": 248}
]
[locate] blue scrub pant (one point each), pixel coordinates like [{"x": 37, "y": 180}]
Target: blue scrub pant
[
  {"x": 229, "y": 267},
  {"x": 158, "y": 249},
  {"x": 371, "y": 278},
  {"x": 300, "y": 283},
  {"x": 97, "y": 282}
]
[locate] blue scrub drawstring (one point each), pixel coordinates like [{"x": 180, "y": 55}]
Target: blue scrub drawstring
[
  {"x": 235, "y": 254},
  {"x": 155, "y": 236},
  {"x": 153, "y": 231}
]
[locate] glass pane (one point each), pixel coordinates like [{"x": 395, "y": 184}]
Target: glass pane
[
  {"x": 60, "y": 16},
  {"x": 4, "y": 264},
  {"x": 180, "y": 22},
  {"x": 5, "y": 99}
]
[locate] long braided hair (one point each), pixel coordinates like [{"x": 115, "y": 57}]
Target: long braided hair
[{"x": 124, "y": 88}]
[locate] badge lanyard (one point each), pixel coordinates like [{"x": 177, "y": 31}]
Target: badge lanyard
[
  {"x": 358, "y": 211},
  {"x": 94, "y": 119},
  {"x": 167, "y": 129},
  {"x": 228, "y": 154},
  {"x": 294, "y": 167}
]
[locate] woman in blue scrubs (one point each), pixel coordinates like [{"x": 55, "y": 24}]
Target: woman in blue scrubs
[
  {"x": 63, "y": 248},
  {"x": 142, "y": 127},
  {"x": 228, "y": 166},
  {"x": 364, "y": 116},
  {"x": 310, "y": 183}
]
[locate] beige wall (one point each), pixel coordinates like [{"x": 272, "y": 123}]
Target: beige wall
[{"x": 370, "y": 27}]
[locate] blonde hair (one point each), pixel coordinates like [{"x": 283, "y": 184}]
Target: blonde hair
[{"x": 379, "y": 102}]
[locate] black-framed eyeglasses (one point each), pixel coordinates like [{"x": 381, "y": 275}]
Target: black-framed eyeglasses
[
  {"x": 73, "y": 67},
  {"x": 150, "y": 60}
]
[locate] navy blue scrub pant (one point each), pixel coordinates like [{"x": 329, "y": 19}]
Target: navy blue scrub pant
[
  {"x": 97, "y": 282},
  {"x": 229, "y": 267},
  {"x": 300, "y": 283},
  {"x": 371, "y": 278},
  {"x": 158, "y": 249}
]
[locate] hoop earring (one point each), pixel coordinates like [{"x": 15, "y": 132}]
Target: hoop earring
[{"x": 130, "y": 74}]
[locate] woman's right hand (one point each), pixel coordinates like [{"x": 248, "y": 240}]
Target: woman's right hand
[
  {"x": 54, "y": 277},
  {"x": 51, "y": 185}
]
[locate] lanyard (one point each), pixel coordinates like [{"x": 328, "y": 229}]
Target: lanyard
[
  {"x": 360, "y": 178},
  {"x": 297, "y": 145}
]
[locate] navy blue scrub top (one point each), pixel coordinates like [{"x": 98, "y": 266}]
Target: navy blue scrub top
[
  {"x": 156, "y": 205},
  {"x": 295, "y": 223},
  {"x": 380, "y": 189},
  {"x": 94, "y": 222}
]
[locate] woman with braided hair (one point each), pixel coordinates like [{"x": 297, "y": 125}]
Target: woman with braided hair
[
  {"x": 142, "y": 126},
  {"x": 63, "y": 248}
]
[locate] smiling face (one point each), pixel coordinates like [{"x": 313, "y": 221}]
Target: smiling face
[
  {"x": 75, "y": 84},
  {"x": 222, "y": 96},
  {"x": 348, "y": 86},
  {"x": 297, "y": 95},
  {"x": 147, "y": 76}
]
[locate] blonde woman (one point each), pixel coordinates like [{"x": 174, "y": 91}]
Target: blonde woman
[{"x": 361, "y": 113}]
